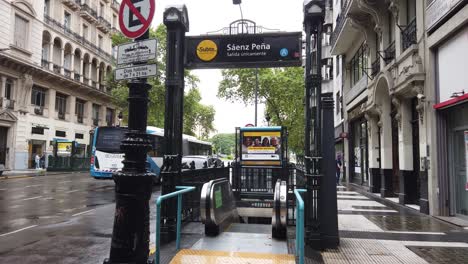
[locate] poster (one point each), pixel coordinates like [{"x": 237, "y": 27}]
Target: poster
[
  {"x": 64, "y": 147},
  {"x": 466, "y": 159},
  {"x": 263, "y": 147}
]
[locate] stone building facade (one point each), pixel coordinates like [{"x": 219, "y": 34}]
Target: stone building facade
[{"x": 55, "y": 58}]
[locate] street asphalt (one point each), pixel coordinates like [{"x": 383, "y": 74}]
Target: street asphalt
[{"x": 64, "y": 218}]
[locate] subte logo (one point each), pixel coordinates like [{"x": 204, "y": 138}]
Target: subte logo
[{"x": 207, "y": 50}]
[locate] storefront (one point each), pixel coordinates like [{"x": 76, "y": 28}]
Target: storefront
[
  {"x": 452, "y": 113},
  {"x": 358, "y": 147}
]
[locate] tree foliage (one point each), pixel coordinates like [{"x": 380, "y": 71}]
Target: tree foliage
[
  {"x": 282, "y": 90},
  {"x": 198, "y": 118},
  {"x": 224, "y": 143}
]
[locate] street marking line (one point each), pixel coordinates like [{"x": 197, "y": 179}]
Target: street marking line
[
  {"x": 16, "y": 231},
  {"x": 31, "y": 198},
  {"x": 72, "y": 191},
  {"x": 415, "y": 232},
  {"x": 3, "y": 189},
  {"x": 65, "y": 181},
  {"x": 29, "y": 186},
  {"x": 85, "y": 212}
]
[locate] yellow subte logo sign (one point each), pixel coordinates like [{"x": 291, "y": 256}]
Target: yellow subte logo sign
[{"x": 207, "y": 50}]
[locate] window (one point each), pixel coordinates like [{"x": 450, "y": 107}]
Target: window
[
  {"x": 391, "y": 27},
  {"x": 61, "y": 105},
  {"x": 46, "y": 7},
  {"x": 38, "y": 96},
  {"x": 8, "y": 89},
  {"x": 79, "y": 136},
  {"x": 85, "y": 31},
  {"x": 110, "y": 117},
  {"x": 96, "y": 114},
  {"x": 338, "y": 65},
  {"x": 101, "y": 10},
  {"x": 337, "y": 103},
  {"x": 37, "y": 130},
  {"x": 79, "y": 110},
  {"x": 100, "y": 41},
  {"x": 67, "y": 20},
  {"x": 358, "y": 63},
  {"x": 59, "y": 133},
  {"x": 410, "y": 10},
  {"x": 21, "y": 32}
]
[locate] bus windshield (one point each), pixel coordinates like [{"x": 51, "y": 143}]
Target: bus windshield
[{"x": 109, "y": 138}]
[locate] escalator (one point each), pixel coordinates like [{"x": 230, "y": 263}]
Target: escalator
[{"x": 228, "y": 240}]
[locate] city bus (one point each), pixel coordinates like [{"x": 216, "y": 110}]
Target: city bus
[{"x": 106, "y": 156}]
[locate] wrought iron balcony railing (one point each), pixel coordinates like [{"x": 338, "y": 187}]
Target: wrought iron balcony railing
[
  {"x": 376, "y": 67},
  {"x": 10, "y": 104},
  {"x": 79, "y": 119},
  {"x": 61, "y": 115},
  {"x": 95, "y": 122},
  {"x": 390, "y": 53},
  {"x": 408, "y": 35},
  {"x": 340, "y": 20},
  {"x": 77, "y": 77},
  {"x": 45, "y": 64},
  {"x": 67, "y": 73},
  {"x": 57, "y": 68}
]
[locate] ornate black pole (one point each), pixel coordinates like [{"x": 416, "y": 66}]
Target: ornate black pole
[
  {"x": 130, "y": 237},
  {"x": 177, "y": 23}
]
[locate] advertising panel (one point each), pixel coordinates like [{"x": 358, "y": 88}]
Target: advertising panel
[
  {"x": 64, "y": 148},
  {"x": 261, "y": 147},
  {"x": 247, "y": 50}
]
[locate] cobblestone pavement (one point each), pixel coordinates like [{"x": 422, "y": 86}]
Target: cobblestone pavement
[{"x": 371, "y": 232}]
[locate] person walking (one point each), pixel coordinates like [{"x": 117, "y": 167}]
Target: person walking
[
  {"x": 37, "y": 160},
  {"x": 339, "y": 166}
]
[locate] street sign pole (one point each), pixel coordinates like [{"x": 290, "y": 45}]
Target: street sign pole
[{"x": 133, "y": 185}]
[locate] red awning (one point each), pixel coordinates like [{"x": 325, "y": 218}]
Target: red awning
[{"x": 451, "y": 102}]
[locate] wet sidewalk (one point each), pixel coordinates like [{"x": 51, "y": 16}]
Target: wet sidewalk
[{"x": 371, "y": 232}]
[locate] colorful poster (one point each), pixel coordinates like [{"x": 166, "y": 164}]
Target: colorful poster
[
  {"x": 64, "y": 147},
  {"x": 466, "y": 159},
  {"x": 261, "y": 145}
]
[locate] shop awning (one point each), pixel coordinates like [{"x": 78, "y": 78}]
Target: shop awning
[{"x": 452, "y": 102}]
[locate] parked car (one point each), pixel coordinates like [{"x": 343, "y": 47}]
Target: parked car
[{"x": 200, "y": 161}]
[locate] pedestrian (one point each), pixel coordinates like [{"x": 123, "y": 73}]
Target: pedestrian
[
  {"x": 42, "y": 161},
  {"x": 339, "y": 166},
  {"x": 37, "y": 160}
]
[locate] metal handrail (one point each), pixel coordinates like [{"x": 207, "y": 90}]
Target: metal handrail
[
  {"x": 300, "y": 225},
  {"x": 181, "y": 190}
]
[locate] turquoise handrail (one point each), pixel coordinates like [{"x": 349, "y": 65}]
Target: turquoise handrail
[
  {"x": 181, "y": 190},
  {"x": 300, "y": 225}
]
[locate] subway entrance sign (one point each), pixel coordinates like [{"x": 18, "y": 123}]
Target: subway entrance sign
[{"x": 244, "y": 51}]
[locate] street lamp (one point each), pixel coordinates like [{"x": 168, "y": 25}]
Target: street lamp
[{"x": 177, "y": 15}]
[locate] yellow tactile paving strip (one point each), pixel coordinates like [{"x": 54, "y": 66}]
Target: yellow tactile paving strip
[{"x": 190, "y": 256}]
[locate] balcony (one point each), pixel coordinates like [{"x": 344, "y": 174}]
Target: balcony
[
  {"x": 115, "y": 5},
  {"x": 389, "y": 53},
  {"x": 61, "y": 115},
  {"x": 408, "y": 35},
  {"x": 88, "y": 13},
  {"x": 72, "y": 4},
  {"x": 85, "y": 80},
  {"x": 79, "y": 119},
  {"x": 103, "y": 24},
  {"x": 77, "y": 77},
  {"x": 67, "y": 73},
  {"x": 9, "y": 104},
  {"x": 355, "y": 14},
  {"x": 376, "y": 67},
  {"x": 95, "y": 122},
  {"x": 45, "y": 64},
  {"x": 39, "y": 110},
  {"x": 57, "y": 26},
  {"x": 57, "y": 68},
  {"x": 94, "y": 84}
]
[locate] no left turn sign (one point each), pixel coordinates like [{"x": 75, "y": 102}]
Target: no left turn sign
[{"x": 135, "y": 17}]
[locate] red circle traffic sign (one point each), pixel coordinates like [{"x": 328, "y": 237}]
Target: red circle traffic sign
[{"x": 135, "y": 17}]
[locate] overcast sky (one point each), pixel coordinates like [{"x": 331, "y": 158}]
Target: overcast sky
[{"x": 212, "y": 15}]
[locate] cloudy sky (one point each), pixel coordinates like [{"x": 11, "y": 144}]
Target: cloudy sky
[{"x": 212, "y": 15}]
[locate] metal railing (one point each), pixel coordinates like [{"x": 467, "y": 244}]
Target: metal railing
[
  {"x": 79, "y": 119},
  {"x": 56, "y": 25},
  {"x": 95, "y": 122},
  {"x": 376, "y": 67},
  {"x": 67, "y": 73},
  {"x": 390, "y": 52},
  {"x": 68, "y": 164},
  {"x": 57, "y": 68},
  {"x": 340, "y": 21},
  {"x": 94, "y": 84},
  {"x": 77, "y": 77},
  {"x": 300, "y": 225},
  {"x": 10, "y": 104},
  {"x": 408, "y": 35},
  {"x": 61, "y": 115},
  {"x": 45, "y": 64},
  {"x": 179, "y": 193}
]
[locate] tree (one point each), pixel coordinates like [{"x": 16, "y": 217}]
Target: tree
[
  {"x": 224, "y": 143},
  {"x": 197, "y": 117},
  {"x": 282, "y": 89}
]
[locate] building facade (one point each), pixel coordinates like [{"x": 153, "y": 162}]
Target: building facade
[
  {"x": 55, "y": 59},
  {"x": 381, "y": 47}
]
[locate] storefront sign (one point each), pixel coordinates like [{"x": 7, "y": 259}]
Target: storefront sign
[
  {"x": 466, "y": 159},
  {"x": 438, "y": 9},
  {"x": 234, "y": 51}
]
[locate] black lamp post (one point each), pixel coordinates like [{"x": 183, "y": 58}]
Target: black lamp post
[
  {"x": 130, "y": 236},
  {"x": 321, "y": 209},
  {"x": 177, "y": 23}
]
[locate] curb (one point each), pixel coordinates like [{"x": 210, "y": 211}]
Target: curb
[{"x": 41, "y": 174}]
